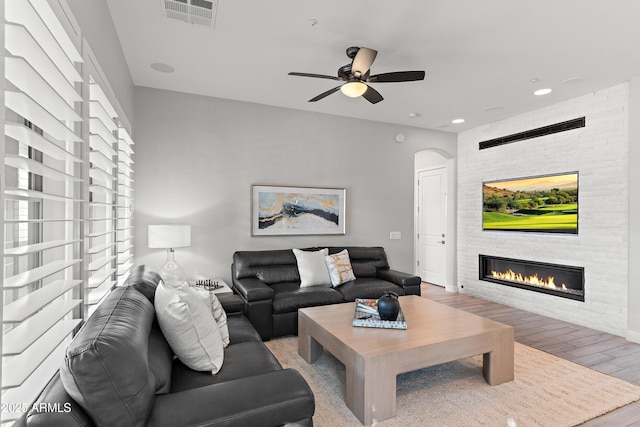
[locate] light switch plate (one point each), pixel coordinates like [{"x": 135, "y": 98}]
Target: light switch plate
[{"x": 395, "y": 235}]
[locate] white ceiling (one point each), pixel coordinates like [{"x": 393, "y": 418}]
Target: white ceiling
[{"x": 477, "y": 54}]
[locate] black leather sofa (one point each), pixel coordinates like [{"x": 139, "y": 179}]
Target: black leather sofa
[
  {"x": 136, "y": 381},
  {"x": 269, "y": 283}
]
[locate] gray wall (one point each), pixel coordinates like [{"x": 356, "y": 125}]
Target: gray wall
[
  {"x": 96, "y": 25},
  {"x": 197, "y": 157}
]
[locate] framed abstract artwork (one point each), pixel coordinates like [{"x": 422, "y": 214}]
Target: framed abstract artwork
[{"x": 282, "y": 210}]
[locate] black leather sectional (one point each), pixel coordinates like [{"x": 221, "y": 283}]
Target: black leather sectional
[
  {"x": 269, "y": 283},
  {"x": 121, "y": 372}
]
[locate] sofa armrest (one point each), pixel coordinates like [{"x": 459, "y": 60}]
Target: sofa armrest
[
  {"x": 265, "y": 400},
  {"x": 258, "y": 297},
  {"x": 232, "y": 303},
  {"x": 398, "y": 277},
  {"x": 252, "y": 289}
]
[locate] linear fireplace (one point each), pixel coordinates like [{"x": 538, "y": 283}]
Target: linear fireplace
[{"x": 561, "y": 280}]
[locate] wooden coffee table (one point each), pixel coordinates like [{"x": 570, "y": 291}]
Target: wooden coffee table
[{"x": 373, "y": 357}]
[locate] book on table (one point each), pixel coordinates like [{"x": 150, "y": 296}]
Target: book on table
[{"x": 366, "y": 316}]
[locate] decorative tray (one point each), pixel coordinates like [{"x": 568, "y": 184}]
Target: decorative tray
[{"x": 366, "y": 316}]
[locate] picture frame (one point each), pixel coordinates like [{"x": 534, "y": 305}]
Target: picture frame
[{"x": 287, "y": 210}]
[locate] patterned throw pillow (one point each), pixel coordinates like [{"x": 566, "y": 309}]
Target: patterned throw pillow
[{"x": 339, "y": 268}]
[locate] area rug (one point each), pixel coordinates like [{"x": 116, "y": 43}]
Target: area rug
[{"x": 547, "y": 391}]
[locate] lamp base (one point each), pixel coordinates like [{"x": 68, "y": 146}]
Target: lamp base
[{"x": 172, "y": 274}]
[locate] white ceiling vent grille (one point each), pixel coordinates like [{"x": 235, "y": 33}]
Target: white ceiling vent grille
[{"x": 202, "y": 12}]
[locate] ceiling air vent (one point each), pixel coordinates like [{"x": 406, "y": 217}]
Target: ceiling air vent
[
  {"x": 202, "y": 12},
  {"x": 535, "y": 133}
]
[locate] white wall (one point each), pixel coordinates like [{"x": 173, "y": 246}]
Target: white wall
[
  {"x": 633, "y": 332},
  {"x": 197, "y": 157},
  {"x": 599, "y": 153}
]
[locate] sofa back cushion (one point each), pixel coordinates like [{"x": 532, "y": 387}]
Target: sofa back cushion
[
  {"x": 271, "y": 267},
  {"x": 280, "y": 265},
  {"x": 364, "y": 260},
  {"x": 145, "y": 280},
  {"x": 106, "y": 368}
]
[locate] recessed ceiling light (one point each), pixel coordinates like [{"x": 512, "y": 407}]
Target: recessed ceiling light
[
  {"x": 162, "y": 68},
  {"x": 541, "y": 92},
  {"x": 414, "y": 115},
  {"x": 457, "y": 121}
]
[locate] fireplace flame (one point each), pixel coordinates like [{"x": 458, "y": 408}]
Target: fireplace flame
[{"x": 529, "y": 280}]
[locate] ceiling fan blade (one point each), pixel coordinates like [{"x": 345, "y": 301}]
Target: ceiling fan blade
[
  {"x": 363, "y": 60},
  {"x": 318, "y": 76},
  {"x": 325, "y": 94},
  {"x": 398, "y": 76},
  {"x": 372, "y": 95}
]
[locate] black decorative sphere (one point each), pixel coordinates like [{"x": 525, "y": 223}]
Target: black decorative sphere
[{"x": 388, "y": 306}]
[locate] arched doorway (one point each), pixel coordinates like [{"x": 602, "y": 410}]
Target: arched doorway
[{"x": 435, "y": 194}]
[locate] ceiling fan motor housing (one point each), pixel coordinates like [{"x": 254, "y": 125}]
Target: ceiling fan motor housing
[
  {"x": 352, "y": 51},
  {"x": 344, "y": 71}
]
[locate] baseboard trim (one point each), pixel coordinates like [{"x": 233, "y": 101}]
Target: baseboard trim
[{"x": 633, "y": 336}]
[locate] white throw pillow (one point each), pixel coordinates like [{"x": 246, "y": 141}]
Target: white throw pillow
[
  {"x": 312, "y": 268},
  {"x": 190, "y": 329},
  {"x": 340, "y": 269},
  {"x": 212, "y": 301}
]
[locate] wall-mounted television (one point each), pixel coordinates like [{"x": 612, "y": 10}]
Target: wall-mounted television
[{"x": 545, "y": 203}]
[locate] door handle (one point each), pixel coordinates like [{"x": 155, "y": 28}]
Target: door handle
[{"x": 441, "y": 242}]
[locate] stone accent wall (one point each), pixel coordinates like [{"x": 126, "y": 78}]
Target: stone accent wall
[{"x": 599, "y": 153}]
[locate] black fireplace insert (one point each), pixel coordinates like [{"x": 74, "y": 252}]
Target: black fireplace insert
[{"x": 561, "y": 280}]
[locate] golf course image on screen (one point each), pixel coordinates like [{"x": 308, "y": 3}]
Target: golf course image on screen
[{"x": 547, "y": 203}]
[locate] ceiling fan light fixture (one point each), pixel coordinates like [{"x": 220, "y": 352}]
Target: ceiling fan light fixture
[{"x": 353, "y": 89}]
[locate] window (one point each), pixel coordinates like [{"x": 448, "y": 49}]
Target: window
[{"x": 66, "y": 190}]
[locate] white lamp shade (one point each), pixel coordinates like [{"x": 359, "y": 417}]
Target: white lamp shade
[{"x": 168, "y": 236}]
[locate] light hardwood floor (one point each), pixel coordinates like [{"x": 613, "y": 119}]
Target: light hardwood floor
[{"x": 597, "y": 350}]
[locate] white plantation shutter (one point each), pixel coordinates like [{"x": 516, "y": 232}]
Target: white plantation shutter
[
  {"x": 125, "y": 205},
  {"x": 101, "y": 158},
  {"x": 66, "y": 188},
  {"x": 42, "y": 196},
  {"x": 100, "y": 224}
]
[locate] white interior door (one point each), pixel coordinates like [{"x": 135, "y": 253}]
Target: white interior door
[{"x": 432, "y": 225}]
